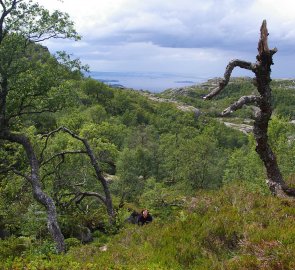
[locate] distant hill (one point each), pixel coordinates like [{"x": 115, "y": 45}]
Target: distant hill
[{"x": 283, "y": 96}]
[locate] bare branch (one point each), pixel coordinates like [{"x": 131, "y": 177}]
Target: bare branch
[
  {"x": 44, "y": 148},
  {"x": 88, "y": 149},
  {"x": 245, "y": 100},
  {"x": 95, "y": 165},
  {"x": 3, "y": 5},
  {"x": 22, "y": 175},
  {"x": 5, "y": 13},
  {"x": 273, "y": 51},
  {"x": 55, "y": 171},
  {"x": 62, "y": 129},
  {"x": 47, "y": 175},
  {"x": 81, "y": 195},
  {"x": 264, "y": 53},
  {"x": 262, "y": 44},
  {"x": 91, "y": 194},
  {"x": 73, "y": 199},
  {"x": 39, "y": 39},
  {"x": 62, "y": 154},
  {"x": 232, "y": 64}
]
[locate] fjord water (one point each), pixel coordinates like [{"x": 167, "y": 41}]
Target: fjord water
[{"x": 151, "y": 81}]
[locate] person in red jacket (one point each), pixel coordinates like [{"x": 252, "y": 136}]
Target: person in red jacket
[{"x": 144, "y": 217}]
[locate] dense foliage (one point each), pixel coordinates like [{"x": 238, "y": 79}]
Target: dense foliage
[{"x": 154, "y": 156}]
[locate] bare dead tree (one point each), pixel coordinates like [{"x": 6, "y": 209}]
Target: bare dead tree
[{"x": 262, "y": 70}]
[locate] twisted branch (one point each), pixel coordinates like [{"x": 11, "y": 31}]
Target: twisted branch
[
  {"x": 91, "y": 194},
  {"x": 28, "y": 178},
  {"x": 95, "y": 165},
  {"x": 245, "y": 100},
  {"x": 80, "y": 195},
  {"x": 62, "y": 154},
  {"x": 262, "y": 70},
  {"x": 231, "y": 65}
]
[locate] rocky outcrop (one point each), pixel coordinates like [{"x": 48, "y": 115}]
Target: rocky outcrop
[
  {"x": 246, "y": 129},
  {"x": 179, "y": 105}
]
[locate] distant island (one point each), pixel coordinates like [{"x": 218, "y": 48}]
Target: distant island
[
  {"x": 185, "y": 82},
  {"x": 108, "y": 81},
  {"x": 112, "y": 83},
  {"x": 116, "y": 85}
]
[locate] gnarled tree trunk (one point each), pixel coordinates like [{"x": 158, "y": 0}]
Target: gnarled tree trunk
[
  {"x": 262, "y": 80},
  {"x": 38, "y": 193},
  {"x": 20, "y": 27}
]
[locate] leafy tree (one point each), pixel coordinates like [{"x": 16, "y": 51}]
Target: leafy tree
[
  {"x": 244, "y": 165},
  {"x": 190, "y": 160},
  {"x": 28, "y": 80},
  {"x": 281, "y": 138},
  {"x": 134, "y": 167},
  {"x": 98, "y": 90}
]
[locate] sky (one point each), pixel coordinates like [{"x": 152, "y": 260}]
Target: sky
[{"x": 197, "y": 37}]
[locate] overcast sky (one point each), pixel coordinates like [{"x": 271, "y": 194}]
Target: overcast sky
[{"x": 177, "y": 36}]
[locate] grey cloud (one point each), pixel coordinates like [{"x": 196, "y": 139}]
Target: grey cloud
[
  {"x": 183, "y": 28},
  {"x": 148, "y": 35},
  {"x": 227, "y": 25}
]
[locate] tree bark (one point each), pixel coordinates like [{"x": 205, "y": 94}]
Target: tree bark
[
  {"x": 262, "y": 80},
  {"x": 108, "y": 198},
  {"x": 262, "y": 73},
  {"x": 3, "y": 95},
  {"x": 38, "y": 193}
]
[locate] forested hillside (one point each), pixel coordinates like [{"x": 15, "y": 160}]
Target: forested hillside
[
  {"x": 77, "y": 157},
  {"x": 154, "y": 156}
]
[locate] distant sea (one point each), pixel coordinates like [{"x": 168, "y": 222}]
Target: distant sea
[{"x": 152, "y": 81}]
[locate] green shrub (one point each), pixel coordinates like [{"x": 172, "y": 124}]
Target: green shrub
[
  {"x": 72, "y": 242},
  {"x": 13, "y": 247},
  {"x": 232, "y": 228}
]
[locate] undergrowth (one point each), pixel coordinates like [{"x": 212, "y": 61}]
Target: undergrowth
[{"x": 232, "y": 228}]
